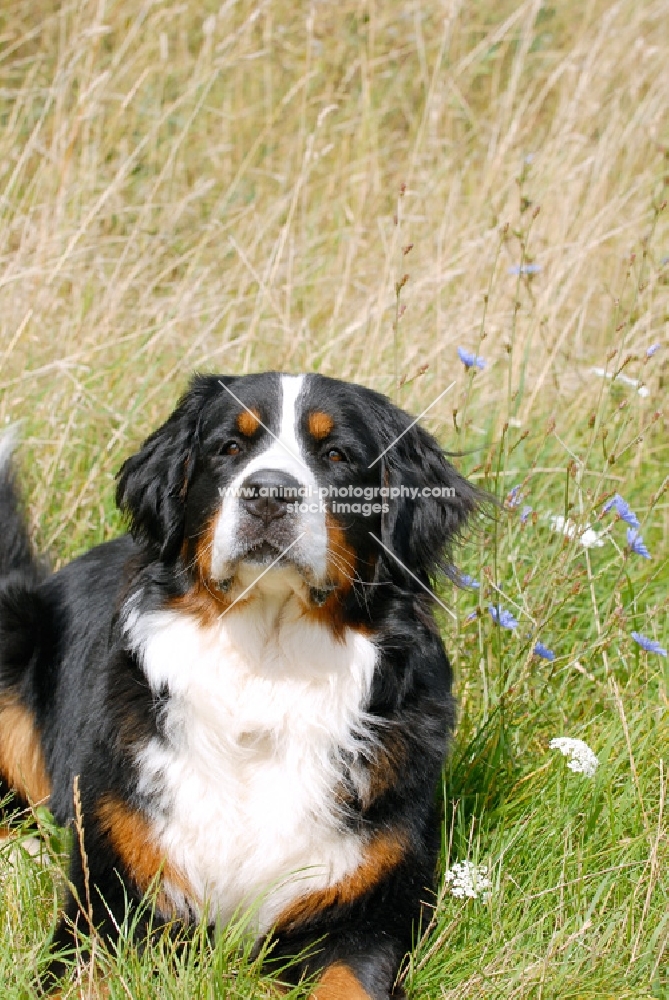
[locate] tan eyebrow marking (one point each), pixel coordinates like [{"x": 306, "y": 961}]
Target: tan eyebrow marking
[
  {"x": 248, "y": 422},
  {"x": 320, "y": 424}
]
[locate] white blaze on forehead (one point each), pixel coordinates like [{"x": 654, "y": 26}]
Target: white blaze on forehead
[{"x": 283, "y": 453}]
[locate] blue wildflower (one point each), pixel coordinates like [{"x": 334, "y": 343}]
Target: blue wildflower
[
  {"x": 544, "y": 652},
  {"x": 468, "y": 581},
  {"x": 653, "y": 349},
  {"x": 502, "y": 617},
  {"x": 472, "y": 616},
  {"x": 525, "y": 513},
  {"x": 622, "y": 509},
  {"x": 650, "y": 645},
  {"x": 469, "y": 359},
  {"x": 514, "y": 497},
  {"x": 637, "y": 544},
  {"x": 525, "y": 269}
]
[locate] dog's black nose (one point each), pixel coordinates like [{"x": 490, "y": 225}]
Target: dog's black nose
[{"x": 267, "y": 493}]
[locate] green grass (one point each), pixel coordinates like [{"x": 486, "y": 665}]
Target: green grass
[{"x": 230, "y": 187}]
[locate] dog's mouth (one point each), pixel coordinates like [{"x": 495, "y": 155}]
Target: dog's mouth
[{"x": 263, "y": 555}]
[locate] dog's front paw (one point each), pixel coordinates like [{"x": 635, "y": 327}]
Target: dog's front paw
[{"x": 339, "y": 982}]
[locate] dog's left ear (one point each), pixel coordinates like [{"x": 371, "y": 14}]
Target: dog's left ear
[
  {"x": 152, "y": 484},
  {"x": 431, "y": 507}
]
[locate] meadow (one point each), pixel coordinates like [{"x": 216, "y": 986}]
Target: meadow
[{"x": 361, "y": 189}]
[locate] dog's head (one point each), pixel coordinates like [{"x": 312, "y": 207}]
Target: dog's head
[{"x": 294, "y": 482}]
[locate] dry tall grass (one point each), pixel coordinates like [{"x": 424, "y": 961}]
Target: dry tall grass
[
  {"x": 216, "y": 187},
  {"x": 233, "y": 187}
]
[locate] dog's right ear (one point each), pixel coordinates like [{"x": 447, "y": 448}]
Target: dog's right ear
[{"x": 152, "y": 484}]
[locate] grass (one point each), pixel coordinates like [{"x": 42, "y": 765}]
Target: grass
[{"x": 233, "y": 187}]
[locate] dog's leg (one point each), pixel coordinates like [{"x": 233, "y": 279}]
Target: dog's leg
[
  {"x": 355, "y": 934},
  {"x": 118, "y": 878},
  {"x": 340, "y": 982},
  {"x": 357, "y": 951},
  {"x": 102, "y": 898},
  {"x": 96, "y": 903}
]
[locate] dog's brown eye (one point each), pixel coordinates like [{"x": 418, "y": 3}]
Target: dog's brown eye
[
  {"x": 231, "y": 448},
  {"x": 335, "y": 455}
]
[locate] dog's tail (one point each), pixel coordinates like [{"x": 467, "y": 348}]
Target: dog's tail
[
  {"x": 22, "y": 622},
  {"x": 16, "y": 552}
]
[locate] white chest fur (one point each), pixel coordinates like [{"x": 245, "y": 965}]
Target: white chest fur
[{"x": 260, "y": 709}]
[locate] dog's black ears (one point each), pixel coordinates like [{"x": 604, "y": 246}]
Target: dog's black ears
[
  {"x": 152, "y": 484},
  {"x": 430, "y": 506}
]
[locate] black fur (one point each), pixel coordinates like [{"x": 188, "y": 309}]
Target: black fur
[{"x": 65, "y": 658}]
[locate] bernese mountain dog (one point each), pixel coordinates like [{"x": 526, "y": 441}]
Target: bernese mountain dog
[{"x": 246, "y": 698}]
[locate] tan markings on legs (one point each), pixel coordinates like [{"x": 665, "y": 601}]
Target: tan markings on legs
[
  {"x": 320, "y": 424},
  {"x": 382, "y": 854},
  {"x": 339, "y": 983},
  {"x": 132, "y": 838},
  {"x": 21, "y": 758}
]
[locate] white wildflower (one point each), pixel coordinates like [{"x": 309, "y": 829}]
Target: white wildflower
[
  {"x": 582, "y": 759},
  {"x": 563, "y": 525},
  {"x": 467, "y": 880},
  {"x": 588, "y": 537}
]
